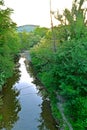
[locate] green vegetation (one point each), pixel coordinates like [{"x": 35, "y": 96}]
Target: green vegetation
[
  {"x": 64, "y": 72},
  {"x": 9, "y": 43},
  {"x": 29, "y": 39}
]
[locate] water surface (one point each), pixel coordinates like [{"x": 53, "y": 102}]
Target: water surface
[{"x": 24, "y": 106}]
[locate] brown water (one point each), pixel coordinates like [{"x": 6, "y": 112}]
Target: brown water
[{"x": 24, "y": 106}]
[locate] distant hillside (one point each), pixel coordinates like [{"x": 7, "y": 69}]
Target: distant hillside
[{"x": 27, "y": 28}]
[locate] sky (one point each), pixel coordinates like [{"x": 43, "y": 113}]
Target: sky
[{"x": 35, "y": 12}]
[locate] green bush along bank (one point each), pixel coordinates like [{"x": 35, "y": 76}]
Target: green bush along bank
[
  {"x": 64, "y": 71},
  {"x": 9, "y": 43}
]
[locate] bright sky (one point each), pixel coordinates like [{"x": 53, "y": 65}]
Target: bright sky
[{"x": 35, "y": 12}]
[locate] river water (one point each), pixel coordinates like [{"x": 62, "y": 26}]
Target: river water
[{"x": 24, "y": 106}]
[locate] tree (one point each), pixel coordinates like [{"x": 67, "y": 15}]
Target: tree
[
  {"x": 29, "y": 39},
  {"x": 74, "y": 21},
  {"x": 65, "y": 72},
  {"x": 9, "y": 43}
]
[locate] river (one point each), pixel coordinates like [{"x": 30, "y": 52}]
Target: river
[{"x": 24, "y": 105}]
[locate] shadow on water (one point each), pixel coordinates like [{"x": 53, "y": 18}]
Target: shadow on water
[
  {"x": 46, "y": 120},
  {"x": 10, "y": 105}
]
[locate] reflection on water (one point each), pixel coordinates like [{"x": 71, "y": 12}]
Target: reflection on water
[
  {"x": 27, "y": 110},
  {"x": 10, "y": 106},
  {"x": 46, "y": 120}
]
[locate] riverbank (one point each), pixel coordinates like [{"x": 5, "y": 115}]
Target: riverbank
[{"x": 56, "y": 103}]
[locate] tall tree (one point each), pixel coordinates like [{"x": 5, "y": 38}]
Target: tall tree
[
  {"x": 8, "y": 42},
  {"x": 74, "y": 20}
]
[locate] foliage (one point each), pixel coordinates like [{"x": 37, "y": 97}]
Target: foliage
[
  {"x": 41, "y": 31},
  {"x": 70, "y": 75},
  {"x": 73, "y": 22},
  {"x": 9, "y": 43},
  {"x": 65, "y": 71},
  {"x": 29, "y": 39}
]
